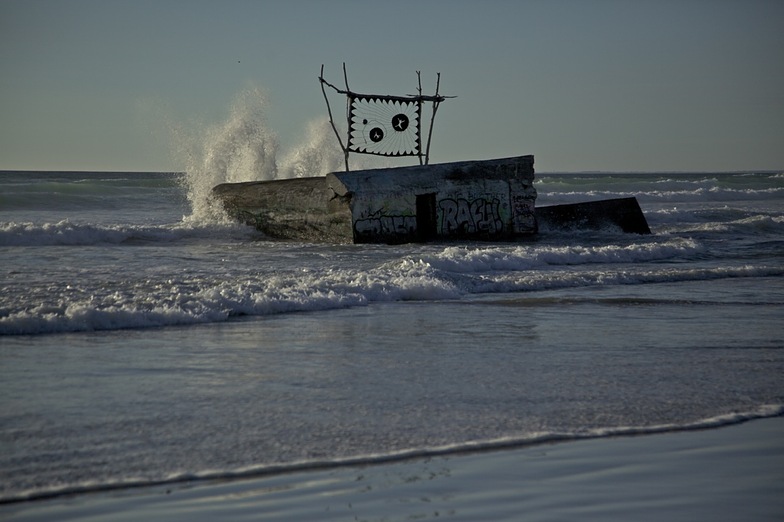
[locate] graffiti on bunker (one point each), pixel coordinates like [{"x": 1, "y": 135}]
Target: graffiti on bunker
[
  {"x": 453, "y": 217},
  {"x": 378, "y": 224},
  {"x": 479, "y": 216}
]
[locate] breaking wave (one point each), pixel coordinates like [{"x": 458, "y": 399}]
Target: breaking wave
[
  {"x": 174, "y": 297},
  {"x": 66, "y": 232}
]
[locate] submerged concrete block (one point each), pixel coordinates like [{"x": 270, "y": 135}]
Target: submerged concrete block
[{"x": 624, "y": 213}]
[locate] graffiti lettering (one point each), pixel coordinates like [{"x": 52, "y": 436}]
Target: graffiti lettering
[
  {"x": 381, "y": 226},
  {"x": 524, "y": 216},
  {"x": 463, "y": 217}
]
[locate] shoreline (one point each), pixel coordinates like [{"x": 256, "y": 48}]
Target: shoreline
[
  {"x": 396, "y": 457},
  {"x": 727, "y": 472}
]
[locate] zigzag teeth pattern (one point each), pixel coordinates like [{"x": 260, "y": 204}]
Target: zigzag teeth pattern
[{"x": 385, "y": 125}]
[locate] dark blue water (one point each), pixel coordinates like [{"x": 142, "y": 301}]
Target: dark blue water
[{"x": 144, "y": 337}]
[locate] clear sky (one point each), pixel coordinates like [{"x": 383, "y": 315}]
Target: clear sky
[{"x": 611, "y": 85}]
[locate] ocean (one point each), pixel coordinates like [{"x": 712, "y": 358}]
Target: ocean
[{"x": 147, "y": 339}]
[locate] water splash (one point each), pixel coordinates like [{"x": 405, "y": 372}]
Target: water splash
[
  {"x": 242, "y": 148},
  {"x": 318, "y": 155},
  {"x": 245, "y": 148}
]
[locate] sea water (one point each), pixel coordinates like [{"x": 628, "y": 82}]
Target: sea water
[{"x": 146, "y": 338}]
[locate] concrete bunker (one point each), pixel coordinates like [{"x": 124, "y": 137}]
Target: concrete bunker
[{"x": 489, "y": 200}]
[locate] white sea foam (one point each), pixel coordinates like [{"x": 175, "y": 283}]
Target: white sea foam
[
  {"x": 463, "y": 259},
  {"x": 452, "y": 273}
]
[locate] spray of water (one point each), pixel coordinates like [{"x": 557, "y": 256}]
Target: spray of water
[
  {"x": 318, "y": 155},
  {"x": 244, "y": 148}
]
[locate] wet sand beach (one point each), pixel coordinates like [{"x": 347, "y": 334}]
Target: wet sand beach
[{"x": 729, "y": 473}]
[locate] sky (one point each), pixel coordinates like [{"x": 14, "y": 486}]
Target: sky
[{"x": 583, "y": 85}]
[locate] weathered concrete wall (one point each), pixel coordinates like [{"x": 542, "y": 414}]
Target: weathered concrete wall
[
  {"x": 298, "y": 208},
  {"x": 482, "y": 200},
  {"x": 485, "y": 200}
]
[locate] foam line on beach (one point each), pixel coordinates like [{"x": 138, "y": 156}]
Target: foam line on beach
[{"x": 506, "y": 443}]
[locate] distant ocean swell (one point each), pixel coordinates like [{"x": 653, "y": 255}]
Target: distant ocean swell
[
  {"x": 505, "y": 443},
  {"x": 554, "y": 189},
  {"x": 74, "y": 191},
  {"x": 173, "y": 298},
  {"x": 66, "y": 232}
]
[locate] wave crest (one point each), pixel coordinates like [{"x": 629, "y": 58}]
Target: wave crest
[{"x": 66, "y": 232}]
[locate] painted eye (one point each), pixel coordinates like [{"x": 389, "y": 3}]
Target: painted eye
[
  {"x": 400, "y": 122},
  {"x": 376, "y": 134}
]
